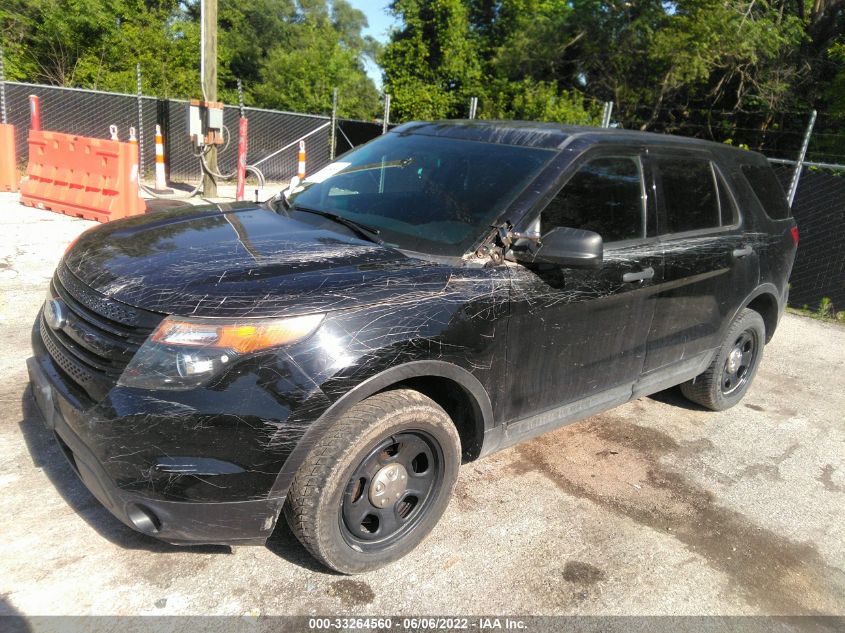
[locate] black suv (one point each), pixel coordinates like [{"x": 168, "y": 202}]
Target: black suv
[{"x": 435, "y": 295}]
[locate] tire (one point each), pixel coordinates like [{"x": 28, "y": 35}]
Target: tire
[
  {"x": 714, "y": 388},
  {"x": 359, "y": 462}
]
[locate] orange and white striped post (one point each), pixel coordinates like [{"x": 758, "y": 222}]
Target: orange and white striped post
[
  {"x": 300, "y": 160},
  {"x": 161, "y": 178}
]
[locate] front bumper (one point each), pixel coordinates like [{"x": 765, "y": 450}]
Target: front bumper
[{"x": 226, "y": 522}]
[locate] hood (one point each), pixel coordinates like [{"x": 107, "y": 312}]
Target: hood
[{"x": 244, "y": 260}]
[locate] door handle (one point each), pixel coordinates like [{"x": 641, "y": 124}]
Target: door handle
[
  {"x": 646, "y": 273},
  {"x": 742, "y": 252}
]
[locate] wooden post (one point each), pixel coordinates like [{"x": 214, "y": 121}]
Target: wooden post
[{"x": 208, "y": 71}]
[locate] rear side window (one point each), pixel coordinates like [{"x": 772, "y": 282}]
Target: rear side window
[
  {"x": 689, "y": 194},
  {"x": 767, "y": 188},
  {"x": 605, "y": 195}
]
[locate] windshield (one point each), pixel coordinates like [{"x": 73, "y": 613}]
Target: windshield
[{"x": 427, "y": 194}]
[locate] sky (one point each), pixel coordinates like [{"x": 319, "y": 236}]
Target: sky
[{"x": 380, "y": 22}]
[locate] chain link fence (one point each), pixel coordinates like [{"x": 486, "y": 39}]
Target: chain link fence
[
  {"x": 81, "y": 112},
  {"x": 819, "y": 212},
  {"x": 269, "y": 131},
  {"x": 351, "y": 133},
  {"x": 273, "y": 135}
]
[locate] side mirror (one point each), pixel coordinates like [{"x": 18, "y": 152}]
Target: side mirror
[{"x": 573, "y": 248}]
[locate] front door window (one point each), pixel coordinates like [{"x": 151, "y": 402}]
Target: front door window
[{"x": 605, "y": 196}]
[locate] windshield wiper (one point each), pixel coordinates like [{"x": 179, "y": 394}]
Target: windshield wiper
[
  {"x": 367, "y": 232},
  {"x": 279, "y": 201}
]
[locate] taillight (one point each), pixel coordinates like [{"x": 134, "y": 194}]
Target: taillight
[{"x": 794, "y": 231}]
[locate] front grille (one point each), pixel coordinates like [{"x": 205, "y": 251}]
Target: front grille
[
  {"x": 73, "y": 368},
  {"x": 94, "y": 301},
  {"x": 100, "y": 337}
]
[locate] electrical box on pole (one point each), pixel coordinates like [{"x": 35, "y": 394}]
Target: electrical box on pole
[{"x": 205, "y": 123}]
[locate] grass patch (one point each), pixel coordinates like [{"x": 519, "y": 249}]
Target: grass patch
[{"x": 824, "y": 312}]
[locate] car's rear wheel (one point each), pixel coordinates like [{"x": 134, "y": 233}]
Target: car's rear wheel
[
  {"x": 377, "y": 483},
  {"x": 729, "y": 376}
]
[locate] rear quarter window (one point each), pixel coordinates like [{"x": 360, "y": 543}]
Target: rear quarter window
[{"x": 767, "y": 188}]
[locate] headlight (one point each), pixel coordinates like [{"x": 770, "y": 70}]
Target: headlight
[{"x": 184, "y": 353}]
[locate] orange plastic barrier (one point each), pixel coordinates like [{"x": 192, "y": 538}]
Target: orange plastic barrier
[
  {"x": 91, "y": 178},
  {"x": 8, "y": 161}
]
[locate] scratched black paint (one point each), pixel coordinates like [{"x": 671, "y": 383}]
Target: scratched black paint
[{"x": 525, "y": 347}]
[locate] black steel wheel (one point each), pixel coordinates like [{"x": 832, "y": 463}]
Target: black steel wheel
[
  {"x": 734, "y": 366},
  {"x": 391, "y": 489},
  {"x": 376, "y": 483},
  {"x": 739, "y": 361}
]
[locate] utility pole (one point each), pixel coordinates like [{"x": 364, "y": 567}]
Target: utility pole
[{"x": 208, "y": 77}]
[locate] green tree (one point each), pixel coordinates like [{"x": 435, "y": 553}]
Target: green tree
[
  {"x": 289, "y": 53},
  {"x": 319, "y": 49},
  {"x": 533, "y": 100},
  {"x": 447, "y": 51},
  {"x": 96, "y": 43},
  {"x": 431, "y": 65},
  {"x": 835, "y": 93},
  {"x": 739, "y": 69}
]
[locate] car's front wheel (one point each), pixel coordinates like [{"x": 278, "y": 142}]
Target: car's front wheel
[
  {"x": 730, "y": 374},
  {"x": 377, "y": 482}
]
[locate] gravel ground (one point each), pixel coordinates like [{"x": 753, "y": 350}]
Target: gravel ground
[{"x": 655, "y": 507}]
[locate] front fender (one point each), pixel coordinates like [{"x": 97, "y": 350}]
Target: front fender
[{"x": 374, "y": 384}]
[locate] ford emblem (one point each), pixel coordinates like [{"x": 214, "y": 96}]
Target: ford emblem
[{"x": 55, "y": 314}]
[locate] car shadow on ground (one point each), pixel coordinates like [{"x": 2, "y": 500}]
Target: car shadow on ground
[
  {"x": 11, "y": 620},
  {"x": 48, "y": 456},
  {"x": 285, "y": 545},
  {"x": 674, "y": 397}
]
